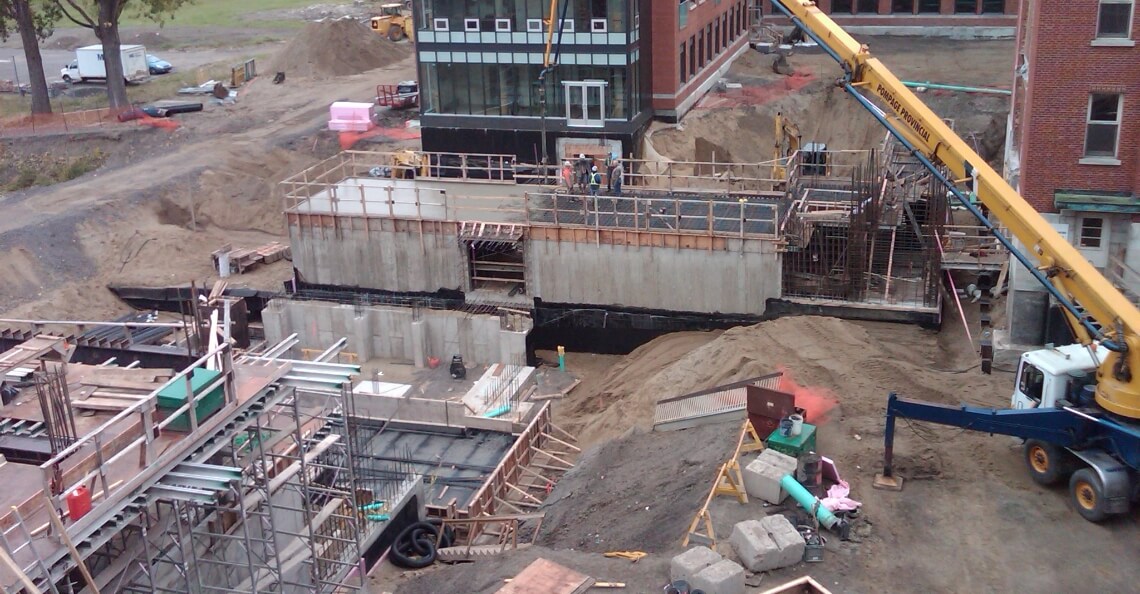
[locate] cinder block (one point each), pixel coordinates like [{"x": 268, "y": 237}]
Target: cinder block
[
  {"x": 786, "y": 537},
  {"x": 780, "y": 460},
  {"x": 692, "y": 561},
  {"x": 723, "y": 577},
  {"x": 755, "y": 548},
  {"x": 762, "y": 480}
]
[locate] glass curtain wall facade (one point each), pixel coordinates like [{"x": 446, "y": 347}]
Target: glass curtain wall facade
[{"x": 513, "y": 89}]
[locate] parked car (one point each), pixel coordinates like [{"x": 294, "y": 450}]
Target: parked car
[{"x": 157, "y": 65}]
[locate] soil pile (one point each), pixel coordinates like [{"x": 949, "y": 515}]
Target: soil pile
[
  {"x": 340, "y": 47},
  {"x": 636, "y": 493},
  {"x": 858, "y": 363}
]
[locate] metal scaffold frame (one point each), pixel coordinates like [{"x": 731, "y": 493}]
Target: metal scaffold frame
[{"x": 287, "y": 523}]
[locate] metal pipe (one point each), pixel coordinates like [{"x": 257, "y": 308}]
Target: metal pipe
[
  {"x": 944, "y": 87},
  {"x": 79, "y": 323}
]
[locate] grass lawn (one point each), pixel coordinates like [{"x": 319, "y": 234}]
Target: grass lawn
[{"x": 223, "y": 13}]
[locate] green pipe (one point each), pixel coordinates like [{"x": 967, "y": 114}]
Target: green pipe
[
  {"x": 808, "y": 501},
  {"x": 502, "y": 410},
  {"x": 930, "y": 85},
  {"x": 378, "y": 517}
]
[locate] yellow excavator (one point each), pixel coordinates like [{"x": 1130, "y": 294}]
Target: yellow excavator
[
  {"x": 1076, "y": 406},
  {"x": 395, "y": 22},
  {"x": 788, "y": 140}
]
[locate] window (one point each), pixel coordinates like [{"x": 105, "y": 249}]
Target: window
[
  {"x": 692, "y": 56},
  {"x": 716, "y": 38},
  {"x": 534, "y": 26},
  {"x": 597, "y": 25},
  {"x": 503, "y": 25},
  {"x": 709, "y": 42},
  {"x": 842, "y": 6},
  {"x": 993, "y": 6},
  {"x": 929, "y": 6},
  {"x": 965, "y": 6},
  {"x": 684, "y": 65},
  {"x": 701, "y": 49},
  {"x": 470, "y": 24},
  {"x": 902, "y": 6},
  {"x": 1114, "y": 19},
  {"x": 868, "y": 6},
  {"x": 1103, "y": 125},
  {"x": 1032, "y": 382},
  {"x": 1092, "y": 230},
  {"x": 439, "y": 24}
]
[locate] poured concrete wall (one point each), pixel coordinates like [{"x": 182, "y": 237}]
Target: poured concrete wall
[
  {"x": 391, "y": 332},
  {"x": 738, "y": 280},
  {"x": 378, "y": 259}
]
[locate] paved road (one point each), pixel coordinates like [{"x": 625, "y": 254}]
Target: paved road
[{"x": 55, "y": 60}]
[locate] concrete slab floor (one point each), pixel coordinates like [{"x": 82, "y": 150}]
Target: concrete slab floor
[{"x": 437, "y": 383}]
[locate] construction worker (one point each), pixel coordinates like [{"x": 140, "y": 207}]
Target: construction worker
[
  {"x": 610, "y": 159},
  {"x": 595, "y": 181},
  {"x": 616, "y": 177},
  {"x": 583, "y": 171},
  {"x": 568, "y": 176}
]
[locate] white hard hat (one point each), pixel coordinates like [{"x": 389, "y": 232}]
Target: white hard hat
[
  {"x": 594, "y": 168},
  {"x": 581, "y": 155}
]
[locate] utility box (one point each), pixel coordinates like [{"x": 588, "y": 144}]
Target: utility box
[
  {"x": 173, "y": 396},
  {"x": 794, "y": 445}
]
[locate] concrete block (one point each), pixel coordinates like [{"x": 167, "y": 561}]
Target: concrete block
[
  {"x": 723, "y": 577},
  {"x": 786, "y": 537},
  {"x": 779, "y": 460},
  {"x": 755, "y": 548},
  {"x": 762, "y": 480},
  {"x": 689, "y": 563}
]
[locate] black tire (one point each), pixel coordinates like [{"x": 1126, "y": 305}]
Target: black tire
[
  {"x": 67, "y": 78},
  {"x": 395, "y": 33},
  {"x": 1047, "y": 464},
  {"x": 1087, "y": 494}
]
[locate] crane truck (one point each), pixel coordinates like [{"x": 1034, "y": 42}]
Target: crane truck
[{"x": 1077, "y": 407}]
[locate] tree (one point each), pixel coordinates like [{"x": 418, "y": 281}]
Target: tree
[
  {"x": 102, "y": 17},
  {"x": 34, "y": 20}
]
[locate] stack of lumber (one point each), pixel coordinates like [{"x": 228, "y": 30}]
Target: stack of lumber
[
  {"x": 242, "y": 259},
  {"x": 112, "y": 388}
]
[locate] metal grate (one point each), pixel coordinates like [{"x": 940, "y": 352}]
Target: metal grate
[{"x": 710, "y": 405}]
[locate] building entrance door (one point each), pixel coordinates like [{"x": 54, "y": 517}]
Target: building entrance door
[
  {"x": 585, "y": 103},
  {"x": 1092, "y": 238}
]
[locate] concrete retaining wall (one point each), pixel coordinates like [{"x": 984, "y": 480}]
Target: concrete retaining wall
[
  {"x": 729, "y": 282},
  {"x": 378, "y": 259},
  {"x": 392, "y": 333}
]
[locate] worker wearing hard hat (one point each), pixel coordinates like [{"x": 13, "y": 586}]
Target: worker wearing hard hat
[{"x": 595, "y": 181}]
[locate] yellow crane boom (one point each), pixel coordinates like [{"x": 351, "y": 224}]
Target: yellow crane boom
[{"x": 1086, "y": 295}]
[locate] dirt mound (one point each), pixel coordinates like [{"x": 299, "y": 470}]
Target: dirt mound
[
  {"x": 340, "y": 47},
  {"x": 858, "y": 363},
  {"x": 635, "y": 493}
]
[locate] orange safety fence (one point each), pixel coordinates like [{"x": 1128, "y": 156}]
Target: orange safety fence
[{"x": 77, "y": 121}]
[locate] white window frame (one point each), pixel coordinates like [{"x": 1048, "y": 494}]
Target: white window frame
[
  {"x": 1100, "y": 232},
  {"x": 1088, "y": 159},
  {"x": 598, "y": 26},
  {"x": 440, "y": 25},
  {"x": 534, "y": 26},
  {"x": 1127, "y": 39},
  {"x": 568, "y": 25},
  {"x": 471, "y": 25},
  {"x": 502, "y": 25}
]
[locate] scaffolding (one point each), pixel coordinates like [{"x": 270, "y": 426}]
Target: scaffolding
[{"x": 281, "y": 517}]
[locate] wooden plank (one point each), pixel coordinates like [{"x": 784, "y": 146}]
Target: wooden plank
[
  {"x": 548, "y": 577},
  {"x": 95, "y": 403}
]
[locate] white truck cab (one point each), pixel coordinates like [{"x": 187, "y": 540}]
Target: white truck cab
[{"x": 1045, "y": 376}]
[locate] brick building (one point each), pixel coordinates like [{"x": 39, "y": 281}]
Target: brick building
[
  {"x": 960, "y": 18},
  {"x": 619, "y": 64},
  {"x": 1073, "y": 147}
]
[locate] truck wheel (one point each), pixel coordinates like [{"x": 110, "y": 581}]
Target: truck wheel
[
  {"x": 395, "y": 33},
  {"x": 67, "y": 78},
  {"x": 1047, "y": 463},
  {"x": 1088, "y": 495}
]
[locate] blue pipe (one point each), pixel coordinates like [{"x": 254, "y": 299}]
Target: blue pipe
[
  {"x": 1021, "y": 257},
  {"x": 502, "y": 410},
  {"x": 809, "y": 502}
]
